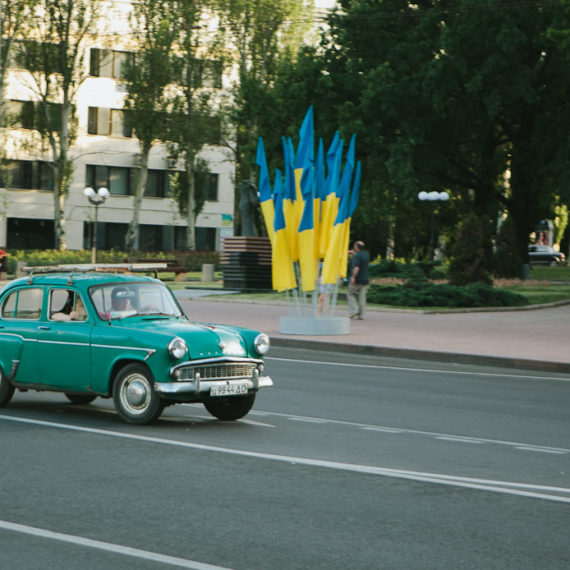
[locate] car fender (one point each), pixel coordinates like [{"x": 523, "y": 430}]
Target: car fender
[{"x": 10, "y": 352}]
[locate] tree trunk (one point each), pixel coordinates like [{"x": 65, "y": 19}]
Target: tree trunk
[
  {"x": 191, "y": 216},
  {"x": 132, "y": 237}
]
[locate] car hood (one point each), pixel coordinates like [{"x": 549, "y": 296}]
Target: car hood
[{"x": 204, "y": 340}]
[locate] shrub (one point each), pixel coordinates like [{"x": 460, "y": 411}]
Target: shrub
[
  {"x": 191, "y": 260},
  {"x": 444, "y": 295},
  {"x": 392, "y": 268}
]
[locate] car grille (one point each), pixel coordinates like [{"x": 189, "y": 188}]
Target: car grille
[{"x": 219, "y": 371}]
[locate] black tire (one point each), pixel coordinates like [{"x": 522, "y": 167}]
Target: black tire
[
  {"x": 134, "y": 396},
  {"x": 230, "y": 408},
  {"x": 6, "y": 389},
  {"x": 80, "y": 399},
  {"x": 554, "y": 263}
]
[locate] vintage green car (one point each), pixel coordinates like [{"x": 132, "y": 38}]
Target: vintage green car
[{"x": 120, "y": 335}]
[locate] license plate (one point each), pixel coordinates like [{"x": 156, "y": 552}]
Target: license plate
[{"x": 234, "y": 389}]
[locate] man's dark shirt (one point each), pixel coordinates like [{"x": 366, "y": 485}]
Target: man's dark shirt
[{"x": 361, "y": 259}]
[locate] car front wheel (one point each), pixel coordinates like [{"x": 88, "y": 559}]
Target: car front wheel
[
  {"x": 6, "y": 389},
  {"x": 553, "y": 262},
  {"x": 134, "y": 396},
  {"x": 230, "y": 408}
]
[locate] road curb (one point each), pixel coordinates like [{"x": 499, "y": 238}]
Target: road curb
[{"x": 418, "y": 354}]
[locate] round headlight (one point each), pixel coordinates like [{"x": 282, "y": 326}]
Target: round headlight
[
  {"x": 177, "y": 348},
  {"x": 261, "y": 343}
]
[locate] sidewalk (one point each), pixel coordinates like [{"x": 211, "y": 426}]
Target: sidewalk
[{"x": 535, "y": 339}]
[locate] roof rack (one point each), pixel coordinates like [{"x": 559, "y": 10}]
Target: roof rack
[{"x": 95, "y": 267}]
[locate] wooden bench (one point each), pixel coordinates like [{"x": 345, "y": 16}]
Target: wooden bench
[{"x": 172, "y": 265}]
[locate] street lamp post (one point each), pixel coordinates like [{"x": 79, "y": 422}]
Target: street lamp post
[
  {"x": 432, "y": 197},
  {"x": 95, "y": 198}
]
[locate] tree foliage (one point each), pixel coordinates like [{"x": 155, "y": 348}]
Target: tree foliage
[
  {"x": 195, "y": 117},
  {"x": 451, "y": 95},
  {"x": 507, "y": 261},
  {"x": 147, "y": 77},
  {"x": 55, "y": 60},
  {"x": 469, "y": 260}
]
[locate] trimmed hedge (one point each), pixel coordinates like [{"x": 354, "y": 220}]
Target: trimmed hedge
[
  {"x": 191, "y": 260},
  {"x": 430, "y": 295},
  {"x": 392, "y": 268}
]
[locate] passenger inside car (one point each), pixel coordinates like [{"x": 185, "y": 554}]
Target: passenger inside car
[{"x": 69, "y": 312}]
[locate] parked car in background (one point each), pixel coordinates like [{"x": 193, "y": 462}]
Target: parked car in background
[
  {"x": 91, "y": 334},
  {"x": 545, "y": 255}
]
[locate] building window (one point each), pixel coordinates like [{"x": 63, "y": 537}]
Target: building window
[
  {"x": 116, "y": 178},
  {"x": 150, "y": 237},
  {"x": 104, "y": 121},
  {"x": 18, "y": 114},
  {"x": 156, "y": 184},
  {"x": 24, "y": 233},
  {"x": 205, "y": 73},
  {"x": 36, "y": 56},
  {"x": 26, "y": 175},
  {"x": 108, "y": 62},
  {"x": 208, "y": 184},
  {"x": 205, "y": 239},
  {"x": 28, "y": 115}
]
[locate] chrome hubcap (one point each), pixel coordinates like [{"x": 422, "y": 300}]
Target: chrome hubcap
[{"x": 136, "y": 394}]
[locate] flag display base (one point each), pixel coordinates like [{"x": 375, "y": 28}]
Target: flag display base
[{"x": 314, "y": 326}]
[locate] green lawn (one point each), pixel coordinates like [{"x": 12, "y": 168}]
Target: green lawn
[
  {"x": 546, "y": 285},
  {"x": 561, "y": 273},
  {"x": 537, "y": 294}
]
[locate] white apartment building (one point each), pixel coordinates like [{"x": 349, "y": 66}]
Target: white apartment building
[{"x": 105, "y": 154}]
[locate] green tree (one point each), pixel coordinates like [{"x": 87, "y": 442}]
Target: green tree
[
  {"x": 469, "y": 261},
  {"x": 260, "y": 32},
  {"x": 147, "y": 78},
  {"x": 506, "y": 260},
  {"x": 451, "y": 96},
  {"x": 196, "y": 112},
  {"x": 56, "y": 65},
  {"x": 13, "y": 17}
]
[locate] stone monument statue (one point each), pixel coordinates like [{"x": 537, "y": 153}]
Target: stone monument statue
[{"x": 248, "y": 208}]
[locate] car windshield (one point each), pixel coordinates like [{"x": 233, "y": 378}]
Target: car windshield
[{"x": 118, "y": 301}]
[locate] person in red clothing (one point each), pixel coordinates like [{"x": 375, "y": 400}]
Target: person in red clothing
[{"x": 3, "y": 258}]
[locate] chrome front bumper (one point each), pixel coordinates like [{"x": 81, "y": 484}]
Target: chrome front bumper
[{"x": 198, "y": 386}]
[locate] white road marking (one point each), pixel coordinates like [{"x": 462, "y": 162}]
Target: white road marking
[
  {"x": 540, "y": 450},
  {"x": 519, "y": 376},
  {"x": 390, "y": 429},
  {"x": 383, "y": 430},
  {"x": 259, "y": 424},
  {"x": 109, "y": 547},
  {"x": 307, "y": 420},
  {"x": 506, "y": 487},
  {"x": 460, "y": 439}
]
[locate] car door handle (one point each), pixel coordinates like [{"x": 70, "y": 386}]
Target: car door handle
[{"x": 44, "y": 328}]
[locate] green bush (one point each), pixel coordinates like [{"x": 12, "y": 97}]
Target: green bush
[
  {"x": 430, "y": 295},
  {"x": 392, "y": 268},
  {"x": 56, "y": 257},
  {"x": 191, "y": 260}
]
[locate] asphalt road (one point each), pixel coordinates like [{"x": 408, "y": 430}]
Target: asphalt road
[{"x": 350, "y": 462}]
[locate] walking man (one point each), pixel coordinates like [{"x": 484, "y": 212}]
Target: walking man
[{"x": 358, "y": 281}]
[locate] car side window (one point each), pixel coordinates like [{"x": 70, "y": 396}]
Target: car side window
[
  {"x": 66, "y": 305},
  {"x": 23, "y": 304}
]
